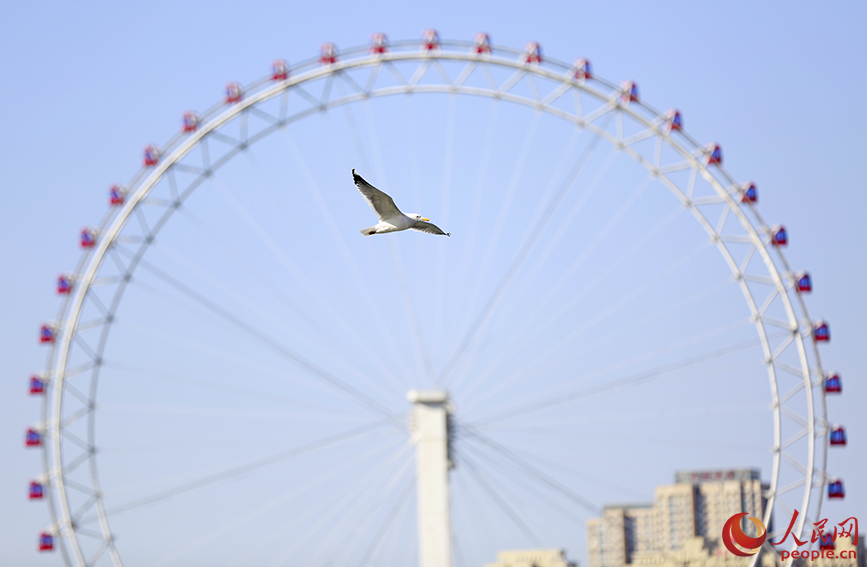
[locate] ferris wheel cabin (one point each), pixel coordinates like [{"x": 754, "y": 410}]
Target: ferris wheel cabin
[
  {"x": 47, "y": 334},
  {"x": 88, "y": 238},
  {"x": 279, "y": 70},
  {"x": 64, "y": 284},
  {"x": 151, "y": 156},
  {"x": 378, "y": 43},
  {"x": 805, "y": 284},
  {"x": 32, "y": 438},
  {"x": 749, "y": 193},
  {"x": 189, "y": 122},
  {"x": 779, "y": 236},
  {"x": 116, "y": 195},
  {"x": 36, "y": 491},
  {"x": 629, "y": 92},
  {"x": 836, "y": 490},
  {"x": 838, "y": 436},
  {"x": 483, "y": 43},
  {"x": 826, "y": 541},
  {"x": 533, "y": 53},
  {"x": 46, "y": 542},
  {"x": 821, "y": 332},
  {"x": 714, "y": 154},
  {"x": 328, "y": 54},
  {"x": 234, "y": 92},
  {"x": 37, "y": 386},
  {"x": 430, "y": 40},
  {"x": 833, "y": 385},
  {"x": 673, "y": 121},
  {"x": 583, "y": 70}
]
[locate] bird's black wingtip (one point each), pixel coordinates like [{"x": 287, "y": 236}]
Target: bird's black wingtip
[{"x": 355, "y": 176}]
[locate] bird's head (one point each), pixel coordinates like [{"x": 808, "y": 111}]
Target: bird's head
[{"x": 417, "y": 217}]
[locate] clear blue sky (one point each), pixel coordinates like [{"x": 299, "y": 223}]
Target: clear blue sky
[{"x": 779, "y": 86}]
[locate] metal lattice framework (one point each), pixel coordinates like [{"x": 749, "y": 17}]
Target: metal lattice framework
[{"x": 740, "y": 235}]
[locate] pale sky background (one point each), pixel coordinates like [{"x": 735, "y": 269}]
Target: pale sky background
[{"x": 779, "y": 86}]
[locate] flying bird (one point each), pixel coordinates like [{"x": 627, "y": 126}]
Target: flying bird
[{"x": 390, "y": 217}]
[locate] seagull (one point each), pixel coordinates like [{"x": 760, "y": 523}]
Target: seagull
[{"x": 390, "y": 217}]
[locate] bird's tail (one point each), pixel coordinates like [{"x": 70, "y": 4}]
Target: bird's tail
[{"x": 368, "y": 231}]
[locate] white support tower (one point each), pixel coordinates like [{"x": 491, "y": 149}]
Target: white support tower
[{"x": 430, "y": 433}]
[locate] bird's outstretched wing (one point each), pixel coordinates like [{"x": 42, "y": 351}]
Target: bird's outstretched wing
[
  {"x": 382, "y": 204},
  {"x": 429, "y": 228}
]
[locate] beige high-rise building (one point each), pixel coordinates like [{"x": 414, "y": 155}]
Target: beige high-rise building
[
  {"x": 846, "y": 554},
  {"x": 532, "y": 558},
  {"x": 685, "y": 519}
]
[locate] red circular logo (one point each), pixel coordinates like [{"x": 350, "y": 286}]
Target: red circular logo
[{"x": 733, "y": 534}]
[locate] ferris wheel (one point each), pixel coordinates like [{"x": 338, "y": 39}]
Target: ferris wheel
[{"x": 575, "y": 295}]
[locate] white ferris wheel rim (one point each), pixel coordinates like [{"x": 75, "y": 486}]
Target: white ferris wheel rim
[{"x": 265, "y": 89}]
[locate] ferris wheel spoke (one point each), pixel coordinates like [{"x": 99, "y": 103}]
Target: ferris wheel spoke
[
  {"x": 632, "y": 439},
  {"x": 361, "y": 284},
  {"x": 596, "y": 281},
  {"x": 225, "y": 474},
  {"x": 287, "y": 263},
  {"x": 598, "y": 238},
  {"x": 459, "y": 552},
  {"x": 335, "y": 504},
  {"x": 566, "y": 397},
  {"x": 424, "y": 357},
  {"x": 216, "y": 283},
  {"x": 493, "y": 240},
  {"x": 530, "y": 485},
  {"x": 354, "y": 508},
  {"x": 522, "y": 464},
  {"x": 252, "y": 393},
  {"x": 376, "y": 361},
  {"x": 481, "y": 179},
  {"x": 490, "y": 249},
  {"x": 538, "y": 222},
  {"x": 471, "y": 509},
  {"x": 401, "y": 535},
  {"x": 373, "y": 137},
  {"x": 310, "y": 322},
  {"x": 282, "y": 350},
  {"x": 314, "y": 528},
  {"x": 242, "y": 299},
  {"x": 356, "y": 137},
  {"x": 576, "y": 473},
  {"x": 445, "y": 207},
  {"x": 421, "y": 343},
  {"x": 529, "y": 242},
  {"x": 386, "y": 526},
  {"x": 484, "y": 482},
  {"x": 532, "y": 473},
  {"x": 221, "y": 353},
  {"x": 188, "y": 484},
  {"x": 203, "y": 411},
  {"x": 568, "y": 340},
  {"x": 296, "y": 491},
  {"x": 206, "y": 349},
  {"x": 352, "y": 547}
]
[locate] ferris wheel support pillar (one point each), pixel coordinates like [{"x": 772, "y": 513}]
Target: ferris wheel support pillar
[{"x": 430, "y": 433}]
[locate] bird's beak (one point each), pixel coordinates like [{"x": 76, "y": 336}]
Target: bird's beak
[{"x": 424, "y": 219}]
